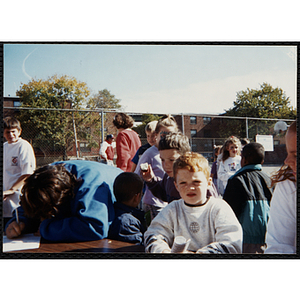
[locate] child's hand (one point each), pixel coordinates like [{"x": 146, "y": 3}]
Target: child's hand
[
  {"x": 166, "y": 251},
  {"x": 147, "y": 175},
  {"x": 14, "y": 229}
]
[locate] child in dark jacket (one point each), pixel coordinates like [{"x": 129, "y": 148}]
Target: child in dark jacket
[
  {"x": 248, "y": 193},
  {"x": 129, "y": 224}
]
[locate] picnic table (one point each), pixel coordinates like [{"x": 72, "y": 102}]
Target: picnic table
[{"x": 98, "y": 246}]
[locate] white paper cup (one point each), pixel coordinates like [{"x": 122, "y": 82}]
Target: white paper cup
[{"x": 179, "y": 244}]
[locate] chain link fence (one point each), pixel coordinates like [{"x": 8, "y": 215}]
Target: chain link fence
[{"x": 63, "y": 134}]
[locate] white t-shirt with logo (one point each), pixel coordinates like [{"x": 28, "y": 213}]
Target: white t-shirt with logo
[
  {"x": 18, "y": 160},
  {"x": 228, "y": 168}
]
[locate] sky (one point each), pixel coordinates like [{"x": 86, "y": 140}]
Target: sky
[{"x": 202, "y": 79}]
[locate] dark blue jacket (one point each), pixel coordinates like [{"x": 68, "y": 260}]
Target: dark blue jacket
[
  {"x": 88, "y": 216},
  {"x": 248, "y": 193},
  {"x": 129, "y": 224}
]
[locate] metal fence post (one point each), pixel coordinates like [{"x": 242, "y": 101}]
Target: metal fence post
[
  {"x": 75, "y": 135},
  {"x": 102, "y": 126}
]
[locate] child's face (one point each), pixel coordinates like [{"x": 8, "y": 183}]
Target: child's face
[
  {"x": 291, "y": 147},
  {"x": 11, "y": 135},
  {"x": 167, "y": 158},
  {"x": 192, "y": 186},
  {"x": 151, "y": 138},
  {"x": 233, "y": 150}
]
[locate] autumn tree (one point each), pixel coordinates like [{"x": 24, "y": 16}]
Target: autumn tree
[
  {"x": 266, "y": 102},
  {"x": 49, "y": 125}
]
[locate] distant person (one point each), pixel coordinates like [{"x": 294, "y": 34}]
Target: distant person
[
  {"x": 129, "y": 224},
  {"x": 127, "y": 142},
  {"x": 209, "y": 223},
  {"x": 18, "y": 163},
  {"x": 214, "y": 167},
  {"x": 150, "y": 203},
  {"x": 248, "y": 193},
  {"x": 281, "y": 235},
  {"x": 151, "y": 140},
  {"x": 68, "y": 201},
  {"x": 231, "y": 160},
  {"x": 107, "y": 150}
]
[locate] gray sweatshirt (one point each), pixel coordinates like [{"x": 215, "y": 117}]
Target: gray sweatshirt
[{"x": 212, "y": 228}]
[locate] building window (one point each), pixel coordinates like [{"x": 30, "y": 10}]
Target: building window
[
  {"x": 206, "y": 120},
  {"x": 193, "y": 132},
  {"x": 17, "y": 103},
  {"x": 193, "y": 120}
]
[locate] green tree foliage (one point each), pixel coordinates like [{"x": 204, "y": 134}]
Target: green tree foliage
[
  {"x": 266, "y": 102},
  {"x": 104, "y": 99},
  {"x": 52, "y": 130},
  {"x": 146, "y": 118}
]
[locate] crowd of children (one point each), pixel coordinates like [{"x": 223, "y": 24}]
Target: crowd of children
[{"x": 226, "y": 208}]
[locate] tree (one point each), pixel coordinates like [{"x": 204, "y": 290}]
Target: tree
[
  {"x": 52, "y": 129},
  {"x": 104, "y": 99},
  {"x": 266, "y": 102}
]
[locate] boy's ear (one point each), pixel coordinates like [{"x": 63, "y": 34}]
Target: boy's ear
[{"x": 137, "y": 199}]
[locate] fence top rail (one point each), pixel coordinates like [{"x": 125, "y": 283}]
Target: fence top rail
[{"x": 102, "y": 110}]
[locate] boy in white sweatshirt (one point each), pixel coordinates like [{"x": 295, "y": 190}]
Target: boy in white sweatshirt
[{"x": 209, "y": 223}]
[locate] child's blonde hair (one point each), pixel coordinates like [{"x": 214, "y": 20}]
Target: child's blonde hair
[
  {"x": 232, "y": 140},
  {"x": 193, "y": 162},
  {"x": 150, "y": 127}
]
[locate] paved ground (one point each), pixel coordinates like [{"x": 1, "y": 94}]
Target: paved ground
[{"x": 270, "y": 169}]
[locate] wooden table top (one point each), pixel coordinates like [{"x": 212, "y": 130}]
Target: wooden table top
[{"x": 99, "y": 246}]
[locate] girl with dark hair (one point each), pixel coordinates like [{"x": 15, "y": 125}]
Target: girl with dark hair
[{"x": 127, "y": 141}]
